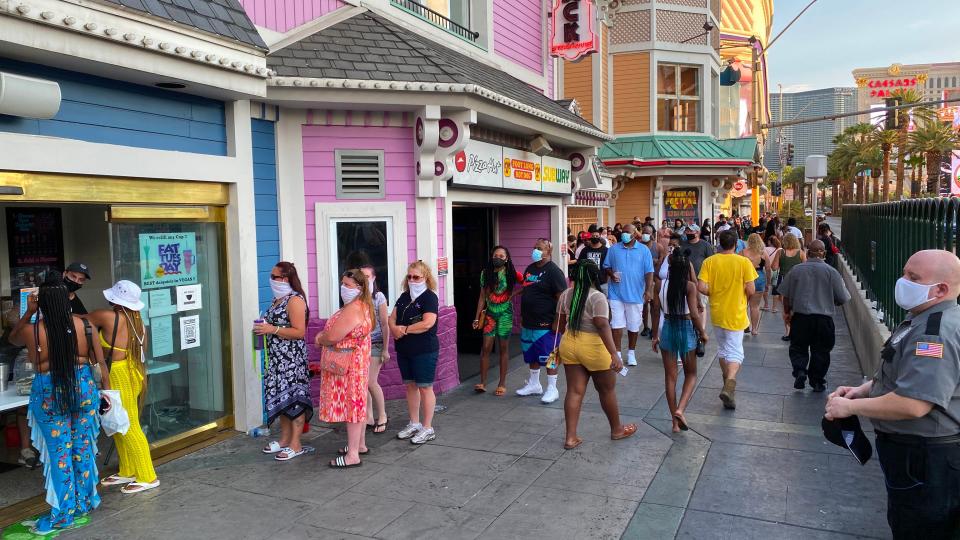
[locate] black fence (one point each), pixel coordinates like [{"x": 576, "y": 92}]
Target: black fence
[
  {"x": 877, "y": 240},
  {"x": 437, "y": 19}
]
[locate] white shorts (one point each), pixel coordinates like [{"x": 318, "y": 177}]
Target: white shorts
[
  {"x": 729, "y": 343},
  {"x": 626, "y": 315}
]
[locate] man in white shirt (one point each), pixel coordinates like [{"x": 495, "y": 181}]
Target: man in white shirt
[{"x": 792, "y": 229}]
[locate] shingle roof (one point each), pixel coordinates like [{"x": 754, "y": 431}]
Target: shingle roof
[
  {"x": 659, "y": 147},
  {"x": 221, "y": 17},
  {"x": 369, "y": 47}
]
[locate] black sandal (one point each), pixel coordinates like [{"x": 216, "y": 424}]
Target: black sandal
[
  {"x": 343, "y": 451},
  {"x": 341, "y": 463},
  {"x": 381, "y": 427}
]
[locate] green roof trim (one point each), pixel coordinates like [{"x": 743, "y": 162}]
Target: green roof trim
[{"x": 694, "y": 147}]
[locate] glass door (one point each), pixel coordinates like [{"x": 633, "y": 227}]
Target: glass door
[{"x": 181, "y": 267}]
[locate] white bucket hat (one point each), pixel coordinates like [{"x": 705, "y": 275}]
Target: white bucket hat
[{"x": 124, "y": 293}]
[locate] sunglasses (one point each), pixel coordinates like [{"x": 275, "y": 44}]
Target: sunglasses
[
  {"x": 276, "y": 277},
  {"x": 411, "y": 277}
]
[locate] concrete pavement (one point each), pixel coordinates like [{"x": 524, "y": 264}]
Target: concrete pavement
[{"x": 498, "y": 470}]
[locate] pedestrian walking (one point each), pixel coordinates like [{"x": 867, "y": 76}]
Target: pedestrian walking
[
  {"x": 696, "y": 248},
  {"x": 379, "y": 353},
  {"x": 757, "y": 255},
  {"x": 542, "y": 284},
  {"x": 810, "y": 295},
  {"x": 790, "y": 255},
  {"x": 286, "y": 382},
  {"x": 773, "y": 246},
  {"x": 676, "y": 338},
  {"x": 728, "y": 280},
  {"x": 630, "y": 266},
  {"x": 792, "y": 229},
  {"x": 126, "y": 351},
  {"x": 494, "y": 317},
  {"x": 648, "y": 238},
  {"x": 596, "y": 251},
  {"x": 663, "y": 235},
  {"x": 413, "y": 323},
  {"x": 706, "y": 231},
  {"x": 913, "y": 402},
  {"x": 825, "y": 235},
  {"x": 588, "y": 351},
  {"x": 63, "y": 403},
  {"x": 345, "y": 363}
]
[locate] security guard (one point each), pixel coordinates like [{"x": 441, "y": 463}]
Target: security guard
[{"x": 914, "y": 402}]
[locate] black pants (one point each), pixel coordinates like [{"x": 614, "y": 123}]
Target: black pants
[
  {"x": 811, "y": 340},
  {"x": 923, "y": 488}
]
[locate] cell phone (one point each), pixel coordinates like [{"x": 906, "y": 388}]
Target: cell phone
[{"x": 623, "y": 372}]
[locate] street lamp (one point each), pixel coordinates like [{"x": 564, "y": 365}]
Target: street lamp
[{"x": 814, "y": 170}]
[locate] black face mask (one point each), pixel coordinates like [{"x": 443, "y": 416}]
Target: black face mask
[
  {"x": 72, "y": 286},
  {"x": 691, "y": 236},
  {"x": 595, "y": 241},
  {"x": 497, "y": 262}
]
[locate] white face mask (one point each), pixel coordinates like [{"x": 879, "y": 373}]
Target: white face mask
[
  {"x": 347, "y": 294},
  {"x": 417, "y": 288},
  {"x": 909, "y": 294},
  {"x": 644, "y": 238},
  {"x": 280, "y": 288},
  {"x": 370, "y": 284}
]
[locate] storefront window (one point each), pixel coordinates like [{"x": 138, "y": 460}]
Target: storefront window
[
  {"x": 678, "y": 98},
  {"x": 179, "y": 267},
  {"x": 359, "y": 243}
]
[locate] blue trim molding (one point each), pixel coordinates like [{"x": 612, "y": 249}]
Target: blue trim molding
[{"x": 266, "y": 209}]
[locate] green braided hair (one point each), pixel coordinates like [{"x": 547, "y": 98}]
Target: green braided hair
[{"x": 586, "y": 275}]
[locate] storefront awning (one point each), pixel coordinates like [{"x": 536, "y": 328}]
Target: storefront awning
[{"x": 678, "y": 150}]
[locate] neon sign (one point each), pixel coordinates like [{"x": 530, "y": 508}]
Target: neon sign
[{"x": 572, "y": 34}]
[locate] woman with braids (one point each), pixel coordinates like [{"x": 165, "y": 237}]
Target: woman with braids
[
  {"x": 122, "y": 325},
  {"x": 498, "y": 282},
  {"x": 676, "y": 337},
  {"x": 343, "y": 396},
  {"x": 63, "y": 403},
  {"x": 588, "y": 352}
]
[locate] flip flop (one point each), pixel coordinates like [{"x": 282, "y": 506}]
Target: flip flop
[
  {"x": 379, "y": 428},
  {"x": 628, "y": 430},
  {"x": 138, "y": 487},
  {"x": 291, "y": 454},
  {"x": 273, "y": 448},
  {"x": 479, "y": 388},
  {"x": 343, "y": 451},
  {"x": 116, "y": 480},
  {"x": 501, "y": 390},
  {"x": 341, "y": 463},
  {"x": 578, "y": 442},
  {"x": 681, "y": 421}
]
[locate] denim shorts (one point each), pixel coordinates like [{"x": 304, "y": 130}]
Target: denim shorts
[
  {"x": 418, "y": 368},
  {"x": 376, "y": 352}
]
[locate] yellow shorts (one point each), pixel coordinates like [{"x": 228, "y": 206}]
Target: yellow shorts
[{"x": 585, "y": 349}]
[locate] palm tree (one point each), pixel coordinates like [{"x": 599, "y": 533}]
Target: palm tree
[
  {"x": 854, "y": 150},
  {"x": 886, "y": 138},
  {"x": 933, "y": 139},
  {"x": 908, "y": 96}
]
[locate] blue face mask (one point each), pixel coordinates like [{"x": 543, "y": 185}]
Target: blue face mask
[
  {"x": 537, "y": 255},
  {"x": 626, "y": 237}
]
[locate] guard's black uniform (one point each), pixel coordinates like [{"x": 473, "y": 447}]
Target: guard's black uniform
[{"x": 921, "y": 457}]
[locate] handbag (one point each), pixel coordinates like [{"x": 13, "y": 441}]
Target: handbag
[
  {"x": 701, "y": 349},
  {"x": 553, "y": 359},
  {"x": 335, "y": 360},
  {"x": 482, "y": 320},
  {"x": 113, "y": 417}
]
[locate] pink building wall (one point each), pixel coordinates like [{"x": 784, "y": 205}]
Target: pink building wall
[
  {"x": 518, "y": 32},
  {"x": 282, "y": 15},
  {"x": 520, "y": 227}
]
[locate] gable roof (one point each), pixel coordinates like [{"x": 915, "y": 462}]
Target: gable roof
[
  {"x": 369, "y": 47},
  {"x": 660, "y": 148},
  {"x": 224, "y": 18}
]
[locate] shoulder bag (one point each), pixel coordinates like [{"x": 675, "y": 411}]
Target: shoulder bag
[{"x": 335, "y": 360}]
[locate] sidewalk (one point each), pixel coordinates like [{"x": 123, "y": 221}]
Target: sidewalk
[{"x": 498, "y": 470}]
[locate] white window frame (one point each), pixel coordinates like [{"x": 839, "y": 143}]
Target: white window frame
[
  {"x": 678, "y": 96},
  {"x": 327, "y": 215}
]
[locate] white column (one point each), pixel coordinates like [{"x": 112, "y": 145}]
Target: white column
[
  {"x": 427, "y": 232},
  {"x": 558, "y": 223},
  {"x": 242, "y": 259},
  {"x": 291, "y": 200}
]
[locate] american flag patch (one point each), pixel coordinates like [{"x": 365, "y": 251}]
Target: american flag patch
[{"x": 933, "y": 350}]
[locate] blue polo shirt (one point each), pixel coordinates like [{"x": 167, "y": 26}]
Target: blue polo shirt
[{"x": 633, "y": 263}]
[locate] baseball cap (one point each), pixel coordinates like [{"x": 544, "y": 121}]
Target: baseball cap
[
  {"x": 693, "y": 228},
  {"x": 847, "y": 433},
  {"x": 79, "y": 267}
]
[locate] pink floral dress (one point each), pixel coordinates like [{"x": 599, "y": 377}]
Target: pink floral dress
[{"x": 344, "y": 398}]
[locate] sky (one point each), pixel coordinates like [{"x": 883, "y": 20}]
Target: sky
[{"x": 834, "y": 37}]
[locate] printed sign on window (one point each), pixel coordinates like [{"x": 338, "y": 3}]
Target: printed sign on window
[{"x": 168, "y": 259}]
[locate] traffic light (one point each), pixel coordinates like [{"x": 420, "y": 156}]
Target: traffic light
[
  {"x": 777, "y": 189},
  {"x": 789, "y": 154},
  {"x": 895, "y": 116}
]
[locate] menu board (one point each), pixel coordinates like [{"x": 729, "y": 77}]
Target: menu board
[
  {"x": 34, "y": 245},
  {"x": 521, "y": 170}
]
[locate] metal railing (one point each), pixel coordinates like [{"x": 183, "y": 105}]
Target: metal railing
[
  {"x": 877, "y": 240},
  {"x": 437, "y": 19}
]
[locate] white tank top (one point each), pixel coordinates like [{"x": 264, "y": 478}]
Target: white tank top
[
  {"x": 663, "y": 300},
  {"x": 664, "y": 268}
]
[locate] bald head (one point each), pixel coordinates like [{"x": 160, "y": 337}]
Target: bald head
[{"x": 937, "y": 268}]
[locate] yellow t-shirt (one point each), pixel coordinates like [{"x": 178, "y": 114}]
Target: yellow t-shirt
[{"x": 726, "y": 274}]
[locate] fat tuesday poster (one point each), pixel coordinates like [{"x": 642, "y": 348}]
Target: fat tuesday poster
[
  {"x": 168, "y": 259},
  {"x": 682, "y": 203}
]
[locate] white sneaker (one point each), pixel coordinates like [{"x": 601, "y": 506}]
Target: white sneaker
[
  {"x": 631, "y": 358},
  {"x": 425, "y": 435},
  {"x": 533, "y": 388},
  {"x": 550, "y": 395},
  {"x": 409, "y": 431}
]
